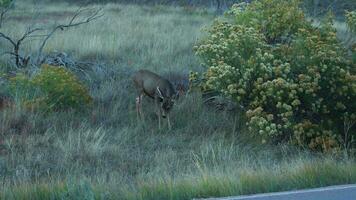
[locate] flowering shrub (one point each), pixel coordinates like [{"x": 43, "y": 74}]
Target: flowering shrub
[
  {"x": 61, "y": 88},
  {"x": 351, "y": 23},
  {"x": 351, "y": 20},
  {"x": 21, "y": 85},
  {"x": 57, "y": 89},
  {"x": 294, "y": 81},
  {"x": 275, "y": 19}
]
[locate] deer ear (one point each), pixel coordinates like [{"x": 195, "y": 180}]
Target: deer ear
[{"x": 159, "y": 93}]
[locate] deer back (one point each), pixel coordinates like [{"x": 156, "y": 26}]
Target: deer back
[{"x": 148, "y": 82}]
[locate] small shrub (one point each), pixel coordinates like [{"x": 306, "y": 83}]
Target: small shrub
[
  {"x": 57, "y": 89},
  {"x": 295, "y": 81},
  {"x": 20, "y": 88},
  {"x": 61, "y": 88}
]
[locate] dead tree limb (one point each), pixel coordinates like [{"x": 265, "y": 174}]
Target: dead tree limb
[
  {"x": 95, "y": 14},
  {"x": 20, "y": 61}
]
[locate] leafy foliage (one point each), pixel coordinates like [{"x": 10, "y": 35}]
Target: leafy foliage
[
  {"x": 275, "y": 21},
  {"x": 61, "y": 88},
  {"x": 57, "y": 88},
  {"x": 295, "y": 81},
  {"x": 351, "y": 20}
]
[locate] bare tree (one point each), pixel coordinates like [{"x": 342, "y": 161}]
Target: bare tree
[
  {"x": 81, "y": 16},
  {"x": 20, "y": 61}
]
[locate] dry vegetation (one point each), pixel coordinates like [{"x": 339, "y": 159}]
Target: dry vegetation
[{"x": 103, "y": 153}]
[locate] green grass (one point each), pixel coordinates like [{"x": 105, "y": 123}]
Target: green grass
[
  {"x": 104, "y": 153},
  {"x": 202, "y": 184}
]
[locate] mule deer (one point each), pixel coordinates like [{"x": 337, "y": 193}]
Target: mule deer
[{"x": 157, "y": 88}]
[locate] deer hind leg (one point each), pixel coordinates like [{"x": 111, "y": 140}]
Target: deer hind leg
[{"x": 138, "y": 107}]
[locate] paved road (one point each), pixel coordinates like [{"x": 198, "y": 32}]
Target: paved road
[{"x": 342, "y": 192}]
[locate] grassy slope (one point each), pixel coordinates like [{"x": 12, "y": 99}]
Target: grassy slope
[{"x": 105, "y": 153}]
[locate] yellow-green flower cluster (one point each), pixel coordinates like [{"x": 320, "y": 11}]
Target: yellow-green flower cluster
[
  {"x": 276, "y": 19},
  {"x": 229, "y": 44},
  {"x": 308, "y": 133},
  {"x": 55, "y": 88},
  {"x": 351, "y": 20},
  {"x": 195, "y": 81},
  {"x": 61, "y": 88},
  {"x": 296, "y": 82}
]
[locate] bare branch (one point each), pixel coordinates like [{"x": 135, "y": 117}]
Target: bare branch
[
  {"x": 8, "y": 53},
  {"x": 95, "y": 15},
  {"x": 77, "y": 13},
  {"x": 2, "y": 35},
  {"x": 72, "y": 22},
  {"x": 28, "y": 33}
]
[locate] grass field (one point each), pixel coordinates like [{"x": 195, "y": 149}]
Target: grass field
[{"x": 105, "y": 153}]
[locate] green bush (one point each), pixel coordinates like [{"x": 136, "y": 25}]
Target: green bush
[
  {"x": 61, "y": 88},
  {"x": 351, "y": 20},
  {"x": 295, "y": 81},
  {"x": 20, "y": 85},
  {"x": 275, "y": 20},
  {"x": 57, "y": 88}
]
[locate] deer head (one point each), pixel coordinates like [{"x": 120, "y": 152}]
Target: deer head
[{"x": 166, "y": 102}]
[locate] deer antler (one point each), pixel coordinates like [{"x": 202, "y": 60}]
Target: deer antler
[{"x": 159, "y": 93}]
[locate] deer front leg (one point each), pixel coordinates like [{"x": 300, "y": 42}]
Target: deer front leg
[
  {"x": 158, "y": 111},
  {"x": 169, "y": 122},
  {"x": 138, "y": 107}
]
